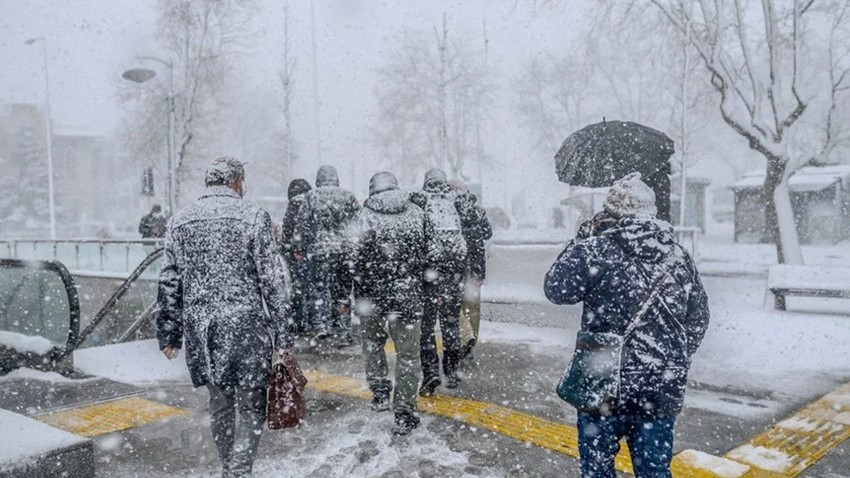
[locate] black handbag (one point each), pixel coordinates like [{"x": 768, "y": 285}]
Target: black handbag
[{"x": 591, "y": 382}]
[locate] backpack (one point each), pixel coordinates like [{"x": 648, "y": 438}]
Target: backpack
[{"x": 446, "y": 246}]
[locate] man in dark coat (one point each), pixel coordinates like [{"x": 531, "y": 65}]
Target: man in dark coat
[
  {"x": 221, "y": 264},
  {"x": 152, "y": 225},
  {"x": 443, "y": 288},
  {"x": 389, "y": 263},
  {"x": 299, "y": 268},
  {"x": 612, "y": 273},
  {"x": 476, "y": 231},
  {"x": 321, "y": 236}
]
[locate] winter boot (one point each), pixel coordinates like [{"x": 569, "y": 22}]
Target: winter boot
[
  {"x": 380, "y": 401},
  {"x": 429, "y": 384},
  {"x": 342, "y": 340},
  {"x": 452, "y": 380},
  {"x": 405, "y": 422}
]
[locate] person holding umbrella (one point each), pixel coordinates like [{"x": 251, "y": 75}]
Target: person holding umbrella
[{"x": 644, "y": 302}]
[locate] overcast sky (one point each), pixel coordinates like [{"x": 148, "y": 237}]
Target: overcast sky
[{"x": 90, "y": 42}]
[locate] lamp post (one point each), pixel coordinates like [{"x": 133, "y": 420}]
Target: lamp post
[
  {"x": 48, "y": 132},
  {"x": 141, "y": 75}
]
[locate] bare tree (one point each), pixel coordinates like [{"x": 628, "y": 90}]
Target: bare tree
[
  {"x": 779, "y": 82},
  {"x": 432, "y": 97}
]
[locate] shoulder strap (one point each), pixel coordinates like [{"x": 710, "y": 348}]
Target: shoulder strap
[{"x": 654, "y": 289}]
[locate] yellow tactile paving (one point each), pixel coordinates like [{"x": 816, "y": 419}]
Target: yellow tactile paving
[
  {"x": 796, "y": 443},
  {"x": 505, "y": 421},
  {"x": 93, "y": 420},
  {"x": 804, "y": 437}
]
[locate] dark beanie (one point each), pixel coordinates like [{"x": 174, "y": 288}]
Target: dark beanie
[
  {"x": 298, "y": 186},
  {"x": 383, "y": 181}
]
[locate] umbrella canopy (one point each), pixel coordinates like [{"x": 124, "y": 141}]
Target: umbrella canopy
[{"x": 599, "y": 154}]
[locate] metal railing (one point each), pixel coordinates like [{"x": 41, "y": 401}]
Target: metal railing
[{"x": 118, "y": 256}]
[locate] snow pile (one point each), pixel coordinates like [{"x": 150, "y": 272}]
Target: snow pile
[
  {"x": 133, "y": 362},
  {"x": 761, "y": 457},
  {"x": 24, "y": 440},
  {"x": 718, "y": 466},
  {"x": 30, "y": 374},
  {"x": 25, "y": 343}
]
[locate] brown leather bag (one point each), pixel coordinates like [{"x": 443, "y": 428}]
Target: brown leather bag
[{"x": 287, "y": 406}]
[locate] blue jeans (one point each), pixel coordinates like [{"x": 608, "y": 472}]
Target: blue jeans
[{"x": 650, "y": 442}]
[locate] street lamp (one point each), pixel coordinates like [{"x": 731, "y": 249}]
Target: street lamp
[
  {"x": 49, "y": 134},
  {"x": 141, "y": 75}
]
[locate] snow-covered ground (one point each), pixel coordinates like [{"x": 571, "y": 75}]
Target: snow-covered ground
[{"x": 24, "y": 440}]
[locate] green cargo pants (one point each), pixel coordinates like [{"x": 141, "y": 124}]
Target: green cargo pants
[{"x": 380, "y": 321}]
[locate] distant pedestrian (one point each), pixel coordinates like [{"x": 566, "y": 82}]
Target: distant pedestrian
[
  {"x": 445, "y": 257},
  {"x": 320, "y": 234},
  {"x": 299, "y": 267},
  {"x": 642, "y": 288},
  {"x": 152, "y": 225},
  {"x": 476, "y": 231},
  {"x": 221, "y": 265},
  {"x": 389, "y": 264}
]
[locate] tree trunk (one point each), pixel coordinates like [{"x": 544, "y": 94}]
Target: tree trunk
[{"x": 780, "y": 214}]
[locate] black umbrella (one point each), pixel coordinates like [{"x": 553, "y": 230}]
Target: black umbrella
[{"x": 599, "y": 154}]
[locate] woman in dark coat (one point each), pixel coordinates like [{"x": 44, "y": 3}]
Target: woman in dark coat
[{"x": 612, "y": 273}]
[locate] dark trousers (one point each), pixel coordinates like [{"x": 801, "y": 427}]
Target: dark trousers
[
  {"x": 237, "y": 416},
  {"x": 301, "y": 304},
  {"x": 331, "y": 292},
  {"x": 650, "y": 442},
  {"x": 443, "y": 298}
]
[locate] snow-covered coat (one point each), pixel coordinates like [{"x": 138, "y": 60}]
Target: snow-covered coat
[
  {"x": 321, "y": 224},
  {"x": 476, "y": 230},
  {"x": 390, "y": 248},
  {"x": 611, "y": 274},
  {"x": 440, "y": 189},
  {"x": 221, "y": 264}
]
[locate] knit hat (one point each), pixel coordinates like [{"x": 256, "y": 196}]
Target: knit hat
[
  {"x": 224, "y": 171},
  {"x": 296, "y": 187},
  {"x": 630, "y": 197},
  {"x": 383, "y": 181}
]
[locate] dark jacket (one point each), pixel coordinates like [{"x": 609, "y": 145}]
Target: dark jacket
[
  {"x": 321, "y": 223},
  {"x": 476, "y": 230},
  {"x": 293, "y": 207},
  {"x": 390, "y": 249},
  {"x": 152, "y": 226},
  {"x": 611, "y": 273},
  {"x": 220, "y": 266}
]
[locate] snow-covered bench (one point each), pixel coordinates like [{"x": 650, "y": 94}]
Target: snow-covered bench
[{"x": 810, "y": 281}]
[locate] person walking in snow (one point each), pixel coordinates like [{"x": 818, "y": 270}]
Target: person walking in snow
[
  {"x": 321, "y": 235},
  {"x": 634, "y": 263},
  {"x": 445, "y": 258},
  {"x": 299, "y": 267},
  {"x": 221, "y": 265},
  {"x": 389, "y": 264},
  {"x": 476, "y": 231},
  {"x": 152, "y": 225}
]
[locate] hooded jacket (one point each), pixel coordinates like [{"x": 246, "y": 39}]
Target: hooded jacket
[
  {"x": 220, "y": 266},
  {"x": 390, "y": 249},
  {"x": 611, "y": 273},
  {"x": 437, "y": 187},
  {"x": 321, "y": 223}
]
